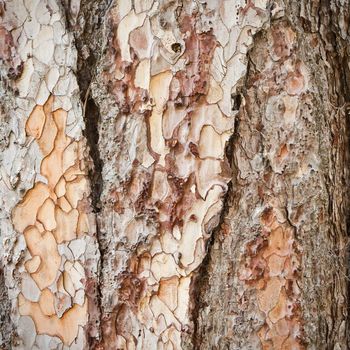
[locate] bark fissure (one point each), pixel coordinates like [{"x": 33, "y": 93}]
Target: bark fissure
[
  {"x": 91, "y": 133},
  {"x": 200, "y": 281},
  {"x": 88, "y": 45}
]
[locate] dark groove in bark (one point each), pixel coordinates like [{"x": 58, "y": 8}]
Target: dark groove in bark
[
  {"x": 88, "y": 42},
  {"x": 91, "y": 134},
  {"x": 201, "y": 281}
]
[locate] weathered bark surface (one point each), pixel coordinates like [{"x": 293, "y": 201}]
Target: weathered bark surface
[
  {"x": 49, "y": 249},
  {"x": 279, "y": 258},
  {"x": 174, "y": 174}
]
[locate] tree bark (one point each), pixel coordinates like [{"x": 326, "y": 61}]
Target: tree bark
[{"x": 174, "y": 174}]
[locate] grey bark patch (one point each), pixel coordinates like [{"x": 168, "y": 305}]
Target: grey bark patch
[{"x": 6, "y": 328}]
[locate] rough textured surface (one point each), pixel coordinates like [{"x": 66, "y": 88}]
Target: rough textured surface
[
  {"x": 279, "y": 254},
  {"x": 48, "y": 244},
  {"x": 173, "y": 174},
  {"x": 168, "y": 81}
]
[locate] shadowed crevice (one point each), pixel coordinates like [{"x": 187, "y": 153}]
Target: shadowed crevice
[
  {"x": 88, "y": 30},
  {"x": 91, "y": 133},
  {"x": 201, "y": 280},
  {"x": 201, "y": 283}
]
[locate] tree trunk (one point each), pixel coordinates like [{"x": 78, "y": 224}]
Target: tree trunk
[{"x": 174, "y": 174}]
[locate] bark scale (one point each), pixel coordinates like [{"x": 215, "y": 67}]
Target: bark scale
[{"x": 174, "y": 174}]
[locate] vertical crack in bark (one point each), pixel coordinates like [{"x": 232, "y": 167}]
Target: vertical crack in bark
[
  {"x": 88, "y": 44},
  {"x": 92, "y": 117},
  {"x": 91, "y": 133},
  {"x": 200, "y": 282}
]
